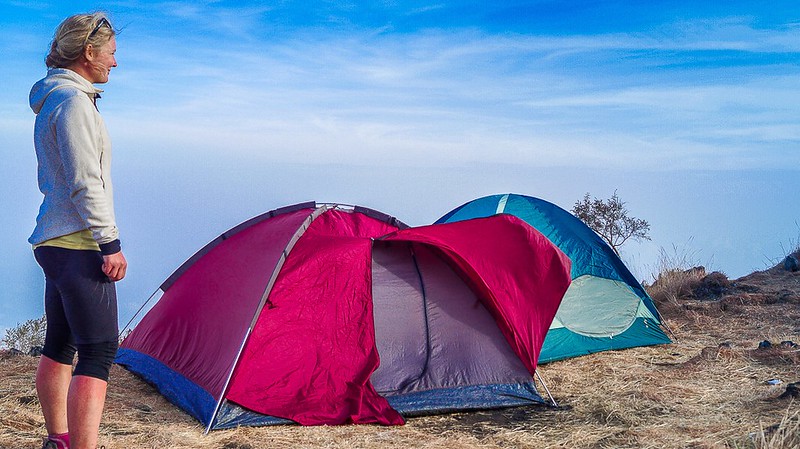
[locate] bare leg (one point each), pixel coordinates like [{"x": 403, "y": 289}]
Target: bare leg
[
  {"x": 52, "y": 386},
  {"x": 87, "y": 396}
]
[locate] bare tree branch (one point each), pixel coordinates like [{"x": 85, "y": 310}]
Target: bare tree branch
[{"x": 609, "y": 219}]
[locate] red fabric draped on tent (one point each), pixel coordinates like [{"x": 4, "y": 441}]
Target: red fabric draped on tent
[
  {"x": 311, "y": 354},
  {"x": 519, "y": 274}
]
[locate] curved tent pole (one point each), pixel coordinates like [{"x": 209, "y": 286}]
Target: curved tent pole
[
  {"x": 209, "y": 246},
  {"x": 320, "y": 209},
  {"x": 264, "y": 299}
]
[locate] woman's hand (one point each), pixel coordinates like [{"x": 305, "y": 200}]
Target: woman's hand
[{"x": 114, "y": 266}]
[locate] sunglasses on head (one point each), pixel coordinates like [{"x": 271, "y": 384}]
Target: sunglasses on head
[{"x": 97, "y": 27}]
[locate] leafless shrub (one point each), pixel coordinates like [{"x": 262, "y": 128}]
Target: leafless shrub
[{"x": 610, "y": 220}]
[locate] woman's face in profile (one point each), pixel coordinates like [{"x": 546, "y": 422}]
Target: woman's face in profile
[{"x": 103, "y": 61}]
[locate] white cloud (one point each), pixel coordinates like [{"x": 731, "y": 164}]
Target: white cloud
[{"x": 435, "y": 97}]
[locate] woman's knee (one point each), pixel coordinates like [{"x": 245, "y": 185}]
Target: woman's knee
[
  {"x": 95, "y": 359},
  {"x": 60, "y": 350}
]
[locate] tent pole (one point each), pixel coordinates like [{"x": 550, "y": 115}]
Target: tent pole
[
  {"x": 555, "y": 404},
  {"x": 227, "y": 382},
  {"x": 666, "y": 326},
  {"x": 663, "y": 322},
  {"x": 155, "y": 294},
  {"x": 264, "y": 299},
  {"x": 660, "y": 317}
]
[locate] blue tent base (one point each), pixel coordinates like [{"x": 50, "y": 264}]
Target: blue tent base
[
  {"x": 176, "y": 388},
  {"x": 423, "y": 403},
  {"x": 562, "y": 343},
  {"x": 200, "y": 404},
  {"x": 476, "y": 397},
  {"x": 232, "y": 415}
]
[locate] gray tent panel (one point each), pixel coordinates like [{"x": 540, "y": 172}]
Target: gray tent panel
[{"x": 447, "y": 348}]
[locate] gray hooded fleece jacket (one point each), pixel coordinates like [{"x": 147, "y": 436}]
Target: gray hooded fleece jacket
[{"x": 74, "y": 161}]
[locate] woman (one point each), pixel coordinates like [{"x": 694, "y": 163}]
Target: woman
[{"x": 76, "y": 241}]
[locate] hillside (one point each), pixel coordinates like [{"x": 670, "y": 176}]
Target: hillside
[{"x": 726, "y": 382}]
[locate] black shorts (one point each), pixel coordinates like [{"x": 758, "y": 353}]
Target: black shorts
[{"x": 80, "y": 304}]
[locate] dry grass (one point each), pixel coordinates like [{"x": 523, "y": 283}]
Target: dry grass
[
  {"x": 678, "y": 276},
  {"x": 707, "y": 390},
  {"x": 785, "y": 435}
]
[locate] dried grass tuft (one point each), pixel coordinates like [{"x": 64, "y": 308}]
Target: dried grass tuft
[
  {"x": 784, "y": 435},
  {"x": 674, "y": 284}
]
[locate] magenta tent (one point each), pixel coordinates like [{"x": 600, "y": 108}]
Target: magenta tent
[{"x": 330, "y": 314}]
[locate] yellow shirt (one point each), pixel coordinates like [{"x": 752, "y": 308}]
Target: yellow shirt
[{"x": 77, "y": 240}]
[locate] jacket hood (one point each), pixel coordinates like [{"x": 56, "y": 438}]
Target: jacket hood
[{"x": 57, "y": 79}]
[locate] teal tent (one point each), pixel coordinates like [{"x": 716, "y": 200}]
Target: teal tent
[{"x": 605, "y": 307}]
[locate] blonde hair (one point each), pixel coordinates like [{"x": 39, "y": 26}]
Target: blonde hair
[{"x": 74, "y": 34}]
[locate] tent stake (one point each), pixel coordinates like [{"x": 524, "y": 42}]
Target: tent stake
[{"x": 555, "y": 404}]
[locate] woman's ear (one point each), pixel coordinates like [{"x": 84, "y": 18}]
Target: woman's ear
[{"x": 89, "y": 52}]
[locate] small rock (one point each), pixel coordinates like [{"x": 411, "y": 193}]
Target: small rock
[
  {"x": 792, "y": 391},
  {"x": 713, "y": 285},
  {"x": 790, "y": 263},
  {"x": 35, "y": 351},
  {"x": 788, "y": 344},
  {"x": 764, "y": 345},
  {"x": 725, "y": 348},
  {"x": 27, "y": 400},
  {"x": 144, "y": 407}
]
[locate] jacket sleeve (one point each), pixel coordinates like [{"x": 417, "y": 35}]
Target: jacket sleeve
[{"x": 80, "y": 147}]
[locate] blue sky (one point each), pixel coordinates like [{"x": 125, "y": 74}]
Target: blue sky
[{"x": 221, "y": 110}]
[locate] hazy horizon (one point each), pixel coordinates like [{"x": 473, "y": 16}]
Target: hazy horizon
[{"x": 219, "y": 111}]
